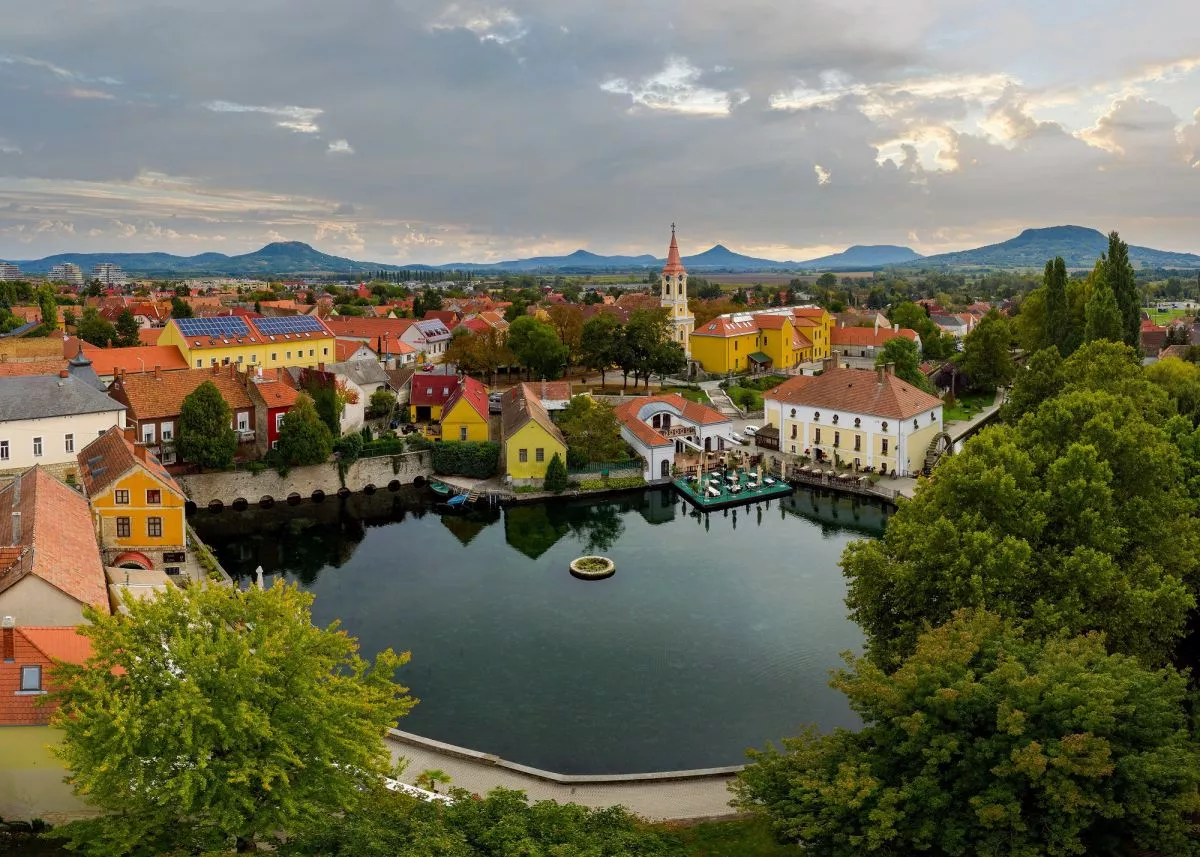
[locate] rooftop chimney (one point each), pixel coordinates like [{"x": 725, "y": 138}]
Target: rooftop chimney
[
  {"x": 63, "y": 373},
  {"x": 16, "y": 528},
  {"x": 157, "y": 372},
  {"x": 8, "y": 639},
  {"x": 881, "y": 372}
]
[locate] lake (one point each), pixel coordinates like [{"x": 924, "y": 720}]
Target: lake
[{"x": 716, "y": 633}]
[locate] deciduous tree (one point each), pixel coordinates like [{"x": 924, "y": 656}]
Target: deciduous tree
[
  {"x": 93, "y": 328},
  {"x": 303, "y": 436},
  {"x": 598, "y": 343},
  {"x": 536, "y": 347},
  {"x": 906, "y": 360},
  {"x": 591, "y": 431},
  {"x": 206, "y": 436},
  {"x": 987, "y": 353},
  {"x": 127, "y": 329},
  {"x": 210, "y": 718},
  {"x": 987, "y": 740}
]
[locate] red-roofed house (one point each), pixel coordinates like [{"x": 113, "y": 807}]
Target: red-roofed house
[
  {"x": 273, "y": 397},
  {"x": 27, "y": 657},
  {"x": 107, "y": 363},
  {"x": 465, "y": 414},
  {"x": 658, "y": 427},
  {"x": 50, "y": 566},
  {"x": 428, "y": 394},
  {"x": 857, "y": 347}
]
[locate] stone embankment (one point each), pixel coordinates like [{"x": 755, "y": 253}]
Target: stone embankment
[{"x": 267, "y": 487}]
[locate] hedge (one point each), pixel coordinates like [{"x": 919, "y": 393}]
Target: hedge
[
  {"x": 611, "y": 484},
  {"x": 476, "y": 460},
  {"x": 383, "y": 446}
]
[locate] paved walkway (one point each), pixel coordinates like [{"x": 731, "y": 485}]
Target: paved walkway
[
  {"x": 672, "y": 800},
  {"x": 959, "y": 430}
]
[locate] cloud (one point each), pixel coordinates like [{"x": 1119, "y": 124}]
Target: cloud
[
  {"x": 340, "y": 147},
  {"x": 9, "y": 148},
  {"x": 299, "y": 119},
  {"x": 823, "y": 175},
  {"x": 497, "y": 25},
  {"x": 56, "y": 70},
  {"x": 676, "y": 89},
  {"x": 90, "y": 94}
]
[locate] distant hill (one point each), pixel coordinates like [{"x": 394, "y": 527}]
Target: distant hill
[
  {"x": 1079, "y": 246},
  {"x": 865, "y": 256},
  {"x": 282, "y": 257},
  {"x": 721, "y": 258}
]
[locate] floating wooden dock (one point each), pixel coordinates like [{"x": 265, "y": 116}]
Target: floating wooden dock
[{"x": 719, "y": 491}]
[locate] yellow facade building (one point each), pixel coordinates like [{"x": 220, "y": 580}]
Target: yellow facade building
[
  {"x": 465, "y": 414},
  {"x": 783, "y": 338},
  {"x": 530, "y": 437},
  {"x": 137, "y": 506},
  {"x": 248, "y": 342}
]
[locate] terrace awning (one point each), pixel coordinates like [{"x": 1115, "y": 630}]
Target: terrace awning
[{"x": 760, "y": 358}]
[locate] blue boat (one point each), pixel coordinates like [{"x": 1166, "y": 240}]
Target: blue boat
[{"x": 457, "y": 500}]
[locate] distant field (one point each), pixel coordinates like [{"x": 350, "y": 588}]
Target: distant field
[
  {"x": 1162, "y": 316},
  {"x": 753, "y": 279}
]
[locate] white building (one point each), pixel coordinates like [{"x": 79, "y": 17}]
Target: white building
[
  {"x": 109, "y": 274},
  {"x": 658, "y": 427},
  {"x": 66, "y": 272},
  {"x": 864, "y": 417},
  {"x": 46, "y": 419},
  {"x": 363, "y": 377},
  {"x": 10, "y": 272}
]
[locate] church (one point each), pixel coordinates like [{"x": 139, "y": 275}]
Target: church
[{"x": 674, "y": 298}]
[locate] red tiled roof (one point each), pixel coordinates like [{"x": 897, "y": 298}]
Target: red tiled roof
[
  {"x": 137, "y": 358},
  {"x": 59, "y": 644},
  {"x": 36, "y": 646},
  {"x": 725, "y": 326},
  {"x": 57, "y": 538},
  {"x": 867, "y": 336},
  {"x": 808, "y": 312},
  {"x": 39, "y": 366},
  {"x": 432, "y": 389},
  {"x": 548, "y": 391},
  {"x": 475, "y": 394},
  {"x": 111, "y": 456},
  {"x": 152, "y": 397},
  {"x": 346, "y": 347},
  {"x": 858, "y": 391},
  {"x": 693, "y": 412},
  {"x": 150, "y": 335},
  {"x": 475, "y": 325},
  {"x": 674, "y": 263},
  {"x": 447, "y": 317},
  {"x": 771, "y": 322}
]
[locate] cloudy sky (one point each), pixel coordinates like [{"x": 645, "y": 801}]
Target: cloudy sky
[{"x": 426, "y": 131}]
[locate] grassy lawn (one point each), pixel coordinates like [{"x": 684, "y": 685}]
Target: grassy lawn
[
  {"x": 751, "y": 838},
  {"x": 967, "y": 407},
  {"x": 690, "y": 395},
  {"x": 1163, "y": 316}
]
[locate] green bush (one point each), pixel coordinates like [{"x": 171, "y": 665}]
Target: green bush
[
  {"x": 349, "y": 448},
  {"x": 556, "y": 475},
  {"x": 476, "y": 460},
  {"x": 611, "y": 484},
  {"x": 383, "y": 446}
]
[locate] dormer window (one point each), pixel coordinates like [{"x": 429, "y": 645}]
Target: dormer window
[
  {"x": 885, "y": 426},
  {"x": 857, "y": 422},
  {"x": 835, "y": 419},
  {"x": 816, "y": 416}
]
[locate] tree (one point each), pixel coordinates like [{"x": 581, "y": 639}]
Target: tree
[
  {"x": 642, "y": 336},
  {"x": 1118, "y": 273},
  {"x": 536, "y": 347},
  {"x": 210, "y": 717},
  {"x": 988, "y": 740},
  {"x": 591, "y": 430},
  {"x": 127, "y": 329},
  {"x": 987, "y": 353},
  {"x": 1181, "y": 380},
  {"x": 303, "y": 437},
  {"x": 1040, "y": 379},
  {"x": 567, "y": 321},
  {"x": 206, "y": 435},
  {"x": 500, "y": 824},
  {"x": 827, "y": 280},
  {"x": 597, "y": 343},
  {"x": 383, "y": 402},
  {"x": 1057, "y": 317},
  {"x": 902, "y": 353},
  {"x": 1076, "y": 519},
  {"x": 49, "y": 308},
  {"x": 1103, "y": 314},
  {"x": 429, "y": 779},
  {"x": 69, "y": 318},
  {"x": 1032, "y": 324},
  {"x": 707, "y": 291},
  {"x": 93, "y": 328},
  {"x": 556, "y": 475},
  {"x": 461, "y": 350}
]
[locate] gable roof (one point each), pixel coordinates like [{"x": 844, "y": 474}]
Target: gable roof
[
  {"x": 345, "y": 348},
  {"x": 473, "y": 393},
  {"x": 857, "y": 391},
  {"x": 548, "y": 391},
  {"x": 137, "y": 358},
  {"x": 37, "y": 366},
  {"x": 431, "y": 389},
  {"x": 110, "y": 456},
  {"x": 517, "y": 409},
  {"x": 57, "y": 539},
  {"x": 152, "y": 396},
  {"x": 41, "y": 396},
  {"x": 693, "y": 412},
  {"x": 360, "y": 371},
  {"x": 868, "y": 336},
  {"x": 273, "y": 389},
  {"x": 57, "y": 643}
]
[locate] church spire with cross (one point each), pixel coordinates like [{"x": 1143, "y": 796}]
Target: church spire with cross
[{"x": 674, "y": 297}]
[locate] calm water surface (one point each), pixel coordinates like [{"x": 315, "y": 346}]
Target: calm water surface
[{"x": 716, "y": 634}]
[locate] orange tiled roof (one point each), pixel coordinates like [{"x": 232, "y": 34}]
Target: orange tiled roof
[
  {"x": 553, "y": 391},
  {"x": 346, "y": 347},
  {"x": 150, "y": 335},
  {"x": 151, "y": 396},
  {"x": 57, "y": 538},
  {"x": 857, "y": 391},
  {"x": 674, "y": 263},
  {"x": 39, "y": 366},
  {"x": 59, "y": 644},
  {"x": 111, "y": 456},
  {"x": 771, "y": 322},
  {"x": 137, "y": 358},
  {"x": 36, "y": 646},
  {"x": 726, "y": 326},
  {"x": 693, "y": 412},
  {"x": 808, "y": 312},
  {"x": 274, "y": 389},
  {"x": 867, "y": 336}
]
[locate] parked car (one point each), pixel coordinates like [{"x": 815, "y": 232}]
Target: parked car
[
  {"x": 751, "y": 431},
  {"x": 737, "y": 438},
  {"x": 428, "y": 367},
  {"x": 409, "y": 429}
]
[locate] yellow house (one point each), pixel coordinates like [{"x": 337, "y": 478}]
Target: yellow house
[
  {"x": 725, "y": 343},
  {"x": 816, "y": 325},
  {"x": 137, "y": 507},
  {"x": 465, "y": 414},
  {"x": 301, "y": 340},
  {"x": 781, "y": 338},
  {"x": 531, "y": 439}
]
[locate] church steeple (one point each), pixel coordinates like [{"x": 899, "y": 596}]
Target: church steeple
[
  {"x": 674, "y": 297},
  {"x": 674, "y": 263}
]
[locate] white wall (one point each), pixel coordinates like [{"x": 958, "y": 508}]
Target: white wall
[{"x": 53, "y": 431}]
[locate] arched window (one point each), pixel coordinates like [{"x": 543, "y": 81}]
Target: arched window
[{"x": 857, "y": 422}]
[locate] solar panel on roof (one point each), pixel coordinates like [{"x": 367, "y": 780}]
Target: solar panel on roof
[
  {"x": 288, "y": 324},
  {"x": 213, "y": 326}
]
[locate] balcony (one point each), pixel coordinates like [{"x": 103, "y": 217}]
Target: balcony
[{"x": 245, "y": 435}]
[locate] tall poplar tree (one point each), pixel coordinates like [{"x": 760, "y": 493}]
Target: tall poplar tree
[
  {"x": 1057, "y": 317},
  {"x": 1104, "y": 319},
  {"x": 1119, "y": 273}
]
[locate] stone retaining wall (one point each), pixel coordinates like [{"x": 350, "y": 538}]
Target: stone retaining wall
[{"x": 230, "y": 485}]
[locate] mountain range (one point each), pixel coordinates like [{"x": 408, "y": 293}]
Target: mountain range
[{"x": 1078, "y": 245}]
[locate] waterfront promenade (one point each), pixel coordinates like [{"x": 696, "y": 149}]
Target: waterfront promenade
[{"x": 657, "y": 800}]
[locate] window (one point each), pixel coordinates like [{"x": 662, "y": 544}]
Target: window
[
  {"x": 857, "y": 422},
  {"x": 793, "y": 412},
  {"x": 31, "y": 679},
  {"x": 289, "y": 355},
  {"x": 816, "y": 416},
  {"x": 885, "y": 426},
  {"x": 37, "y": 446},
  {"x": 325, "y": 351},
  {"x": 274, "y": 444},
  {"x": 148, "y": 433},
  {"x": 154, "y": 528},
  {"x": 199, "y": 364},
  {"x": 793, "y": 430},
  {"x": 539, "y": 454},
  {"x": 69, "y": 442},
  {"x": 239, "y": 360},
  {"x": 153, "y": 497},
  {"x": 816, "y": 435},
  {"x": 243, "y": 421},
  {"x": 278, "y": 421},
  {"x": 253, "y": 358},
  {"x": 3, "y": 450},
  {"x": 224, "y": 361},
  {"x": 123, "y": 531},
  {"x": 932, "y": 418},
  {"x": 523, "y": 456},
  {"x": 274, "y": 356},
  {"x": 167, "y": 430},
  {"x": 121, "y": 497},
  {"x": 462, "y": 432},
  {"x": 735, "y": 345},
  {"x": 837, "y": 439},
  {"x": 835, "y": 419},
  {"x": 885, "y": 446},
  {"x": 213, "y": 362},
  {"x": 312, "y": 352},
  {"x": 858, "y": 443}
]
